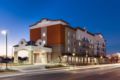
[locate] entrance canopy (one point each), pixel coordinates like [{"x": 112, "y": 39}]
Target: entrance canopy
[{"x": 35, "y": 51}]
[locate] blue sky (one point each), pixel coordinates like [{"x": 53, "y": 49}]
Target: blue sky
[{"x": 96, "y": 15}]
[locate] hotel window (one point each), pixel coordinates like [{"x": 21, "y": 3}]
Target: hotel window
[
  {"x": 68, "y": 49},
  {"x": 68, "y": 41},
  {"x": 44, "y": 34},
  {"x": 89, "y": 40},
  {"x": 44, "y": 42},
  {"x": 73, "y": 35},
  {"x": 79, "y": 43},
  {"x": 68, "y": 33},
  {"x": 74, "y": 50}
]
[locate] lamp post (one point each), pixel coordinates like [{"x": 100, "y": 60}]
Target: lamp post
[{"x": 4, "y": 32}]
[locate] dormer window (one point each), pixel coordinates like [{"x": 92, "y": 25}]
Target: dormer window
[{"x": 22, "y": 42}]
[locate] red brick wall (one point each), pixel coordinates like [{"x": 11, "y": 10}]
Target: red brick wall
[
  {"x": 35, "y": 34},
  {"x": 56, "y": 35}
]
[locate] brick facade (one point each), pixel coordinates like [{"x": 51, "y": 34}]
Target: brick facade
[{"x": 66, "y": 40}]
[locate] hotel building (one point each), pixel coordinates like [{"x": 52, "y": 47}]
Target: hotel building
[{"x": 56, "y": 41}]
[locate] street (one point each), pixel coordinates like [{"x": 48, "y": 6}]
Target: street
[{"x": 101, "y": 73}]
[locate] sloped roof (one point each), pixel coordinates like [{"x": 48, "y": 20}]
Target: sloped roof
[{"x": 47, "y": 22}]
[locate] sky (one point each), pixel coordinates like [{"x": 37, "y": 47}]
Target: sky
[{"x": 96, "y": 15}]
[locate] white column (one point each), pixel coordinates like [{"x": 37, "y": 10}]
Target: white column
[
  {"x": 30, "y": 61},
  {"x": 16, "y": 57},
  {"x": 43, "y": 58}
]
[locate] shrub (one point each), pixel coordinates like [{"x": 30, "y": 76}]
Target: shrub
[{"x": 54, "y": 66}]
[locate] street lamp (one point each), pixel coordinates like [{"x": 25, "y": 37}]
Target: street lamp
[{"x": 4, "y": 32}]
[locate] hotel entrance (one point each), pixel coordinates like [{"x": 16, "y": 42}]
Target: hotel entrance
[
  {"x": 36, "y": 58},
  {"x": 43, "y": 58},
  {"x": 37, "y": 54},
  {"x": 40, "y": 58}
]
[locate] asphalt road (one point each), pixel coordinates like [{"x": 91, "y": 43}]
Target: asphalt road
[{"x": 107, "y": 73}]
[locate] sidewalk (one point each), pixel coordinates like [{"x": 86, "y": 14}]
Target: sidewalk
[{"x": 28, "y": 67}]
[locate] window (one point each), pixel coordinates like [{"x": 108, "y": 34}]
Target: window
[
  {"x": 68, "y": 49},
  {"x": 73, "y": 35},
  {"x": 22, "y": 42},
  {"x": 68, "y": 33},
  {"x": 68, "y": 41},
  {"x": 44, "y": 42},
  {"x": 79, "y": 43},
  {"x": 44, "y": 34},
  {"x": 74, "y": 50},
  {"x": 40, "y": 43}
]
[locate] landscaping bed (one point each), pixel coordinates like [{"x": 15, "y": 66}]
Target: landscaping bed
[
  {"x": 54, "y": 66},
  {"x": 8, "y": 71}
]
